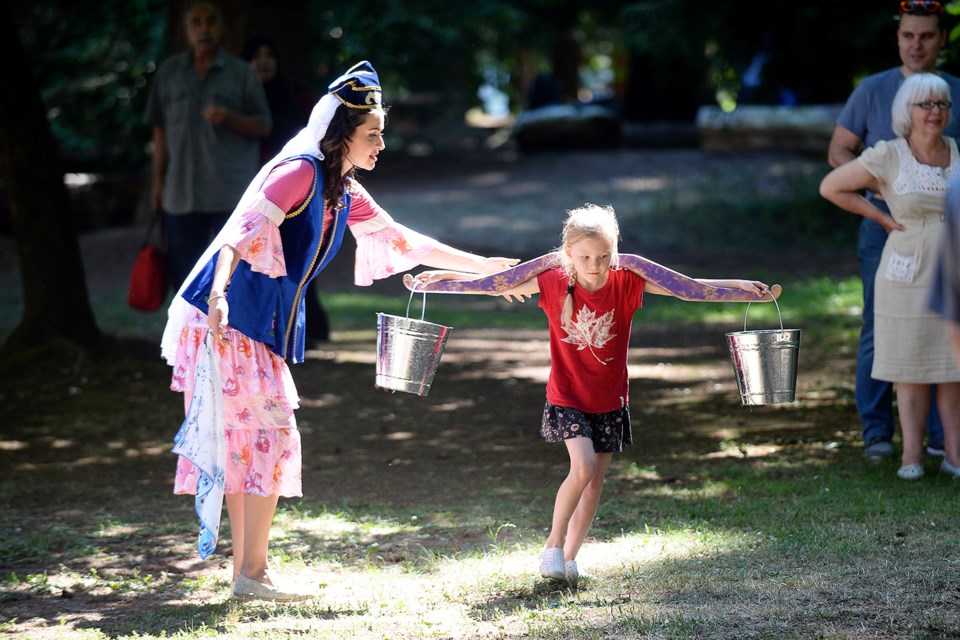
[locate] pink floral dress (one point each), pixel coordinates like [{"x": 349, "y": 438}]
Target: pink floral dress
[{"x": 239, "y": 396}]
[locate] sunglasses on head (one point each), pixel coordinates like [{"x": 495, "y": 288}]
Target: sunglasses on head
[{"x": 921, "y": 6}]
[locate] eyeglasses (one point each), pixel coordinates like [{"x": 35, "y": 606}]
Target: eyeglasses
[
  {"x": 928, "y": 105},
  {"x": 921, "y": 6}
]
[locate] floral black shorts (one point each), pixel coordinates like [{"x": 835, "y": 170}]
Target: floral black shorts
[{"x": 608, "y": 431}]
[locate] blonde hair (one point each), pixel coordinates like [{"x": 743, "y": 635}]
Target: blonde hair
[{"x": 588, "y": 221}]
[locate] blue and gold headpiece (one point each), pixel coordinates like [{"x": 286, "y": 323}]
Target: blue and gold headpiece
[{"x": 358, "y": 88}]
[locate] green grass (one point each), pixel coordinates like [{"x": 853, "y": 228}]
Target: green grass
[
  {"x": 720, "y": 522},
  {"x": 760, "y": 532},
  {"x": 795, "y": 546}
]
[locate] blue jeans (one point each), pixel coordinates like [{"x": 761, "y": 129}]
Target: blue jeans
[
  {"x": 875, "y": 397},
  {"x": 188, "y": 236}
]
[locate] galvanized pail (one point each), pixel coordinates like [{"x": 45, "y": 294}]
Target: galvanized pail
[
  {"x": 408, "y": 351},
  {"x": 765, "y": 362}
]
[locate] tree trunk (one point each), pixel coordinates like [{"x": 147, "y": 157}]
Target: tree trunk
[{"x": 55, "y": 300}]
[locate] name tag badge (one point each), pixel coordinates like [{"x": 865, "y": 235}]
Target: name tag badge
[{"x": 901, "y": 268}]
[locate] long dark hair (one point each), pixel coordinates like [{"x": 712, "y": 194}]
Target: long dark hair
[{"x": 334, "y": 147}]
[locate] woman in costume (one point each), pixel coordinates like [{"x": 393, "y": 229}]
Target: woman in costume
[{"x": 240, "y": 315}]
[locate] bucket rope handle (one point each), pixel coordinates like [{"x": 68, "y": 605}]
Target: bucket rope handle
[
  {"x": 423, "y": 307},
  {"x": 748, "y": 311}
]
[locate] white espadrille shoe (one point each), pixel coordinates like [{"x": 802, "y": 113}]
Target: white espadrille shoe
[{"x": 551, "y": 563}]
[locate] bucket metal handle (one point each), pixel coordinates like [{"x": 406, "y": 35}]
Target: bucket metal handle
[
  {"x": 747, "y": 311},
  {"x": 423, "y": 307}
]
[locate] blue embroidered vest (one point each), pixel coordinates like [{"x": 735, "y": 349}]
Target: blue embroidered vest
[{"x": 271, "y": 310}]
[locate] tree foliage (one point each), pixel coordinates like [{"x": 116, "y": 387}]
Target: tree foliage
[
  {"x": 75, "y": 96},
  {"x": 93, "y": 60},
  {"x": 663, "y": 57}
]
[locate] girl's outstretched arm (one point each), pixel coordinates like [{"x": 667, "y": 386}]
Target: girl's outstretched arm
[
  {"x": 424, "y": 280},
  {"x": 496, "y": 284},
  {"x": 717, "y": 290},
  {"x": 659, "y": 279},
  {"x": 664, "y": 281}
]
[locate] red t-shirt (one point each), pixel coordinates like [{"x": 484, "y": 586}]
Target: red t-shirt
[{"x": 588, "y": 367}]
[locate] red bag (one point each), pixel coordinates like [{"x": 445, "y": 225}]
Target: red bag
[{"x": 148, "y": 280}]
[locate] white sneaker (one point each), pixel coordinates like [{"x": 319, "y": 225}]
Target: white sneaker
[
  {"x": 572, "y": 575},
  {"x": 551, "y": 563}
]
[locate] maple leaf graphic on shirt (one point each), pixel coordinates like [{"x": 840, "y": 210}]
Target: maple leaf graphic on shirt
[{"x": 589, "y": 331}]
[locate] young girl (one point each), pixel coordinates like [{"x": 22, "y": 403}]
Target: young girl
[
  {"x": 589, "y": 302},
  {"x": 240, "y": 314}
]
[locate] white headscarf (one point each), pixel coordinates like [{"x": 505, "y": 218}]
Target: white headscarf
[{"x": 306, "y": 142}]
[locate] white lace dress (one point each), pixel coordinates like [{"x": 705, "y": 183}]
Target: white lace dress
[{"x": 910, "y": 341}]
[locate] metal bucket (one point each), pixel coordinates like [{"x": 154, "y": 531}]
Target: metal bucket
[
  {"x": 408, "y": 351},
  {"x": 765, "y": 362}
]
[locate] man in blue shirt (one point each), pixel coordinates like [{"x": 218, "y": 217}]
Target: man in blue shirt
[
  {"x": 208, "y": 111},
  {"x": 865, "y": 120}
]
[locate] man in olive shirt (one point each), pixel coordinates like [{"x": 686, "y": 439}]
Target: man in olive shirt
[{"x": 208, "y": 111}]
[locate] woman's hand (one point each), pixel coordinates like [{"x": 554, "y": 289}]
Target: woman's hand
[
  {"x": 425, "y": 278},
  {"x": 494, "y": 265},
  {"x": 887, "y": 222},
  {"x": 218, "y": 314}
]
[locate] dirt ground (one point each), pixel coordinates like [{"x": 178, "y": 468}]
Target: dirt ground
[{"x": 367, "y": 446}]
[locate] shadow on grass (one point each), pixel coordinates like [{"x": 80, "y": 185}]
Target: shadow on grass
[{"x": 714, "y": 507}]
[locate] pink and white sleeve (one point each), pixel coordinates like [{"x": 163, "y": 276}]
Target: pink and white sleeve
[
  {"x": 384, "y": 246},
  {"x": 257, "y": 234}
]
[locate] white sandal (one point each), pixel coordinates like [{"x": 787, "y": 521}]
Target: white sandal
[
  {"x": 948, "y": 468},
  {"x": 911, "y": 471}
]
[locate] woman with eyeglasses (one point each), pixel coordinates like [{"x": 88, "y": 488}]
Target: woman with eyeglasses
[
  {"x": 921, "y": 33},
  {"x": 912, "y": 173}
]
